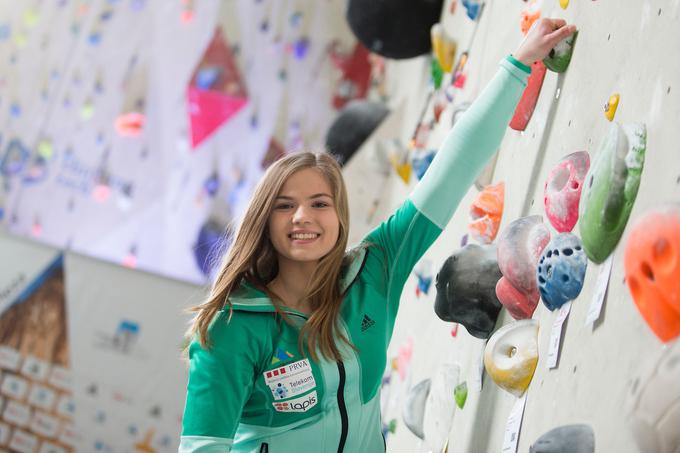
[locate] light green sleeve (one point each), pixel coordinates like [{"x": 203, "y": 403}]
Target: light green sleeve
[{"x": 470, "y": 144}]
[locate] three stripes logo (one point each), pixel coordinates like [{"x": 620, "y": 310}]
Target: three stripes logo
[{"x": 366, "y": 323}]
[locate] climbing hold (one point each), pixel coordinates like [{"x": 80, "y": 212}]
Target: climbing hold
[
  {"x": 443, "y": 47},
  {"x": 353, "y": 125},
  {"x": 440, "y": 407},
  {"x": 414, "y": 409},
  {"x": 652, "y": 269},
  {"x": 566, "y": 439},
  {"x": 130, "y": 124},
  {"x": 562, "y": 190},
  {"x": 466, "y": 289},
  {"x": 564, "y": 4},
  {"x": 611, "y": 106},
  {"x": 519, "y": 247},
  {"x": 653, "y": 406},
  {"x": 403, "y": 170},
  {"x": 460, "y": 393},
  {"x": 421, "y": 161},
  {"x": 528, "y": 18},
  {"x": 86, "y": 110},
  {"x": 207, "y": 77},
  {"x": 14, "y": 158},
  {"x": 407, "y": 32},
  {"x": 561, "y": 270},
  {"x": 610, "y": 189},
  {"x": 439, "y": 103},
  {"x": 472, "y": 8},
  {"x": 459, "y": 80},
  {"x": 560, "y": 56},
  {"x": 423, "y": 271},
  {"x": 437, "y": 73},
  {"x": 511, "y": 355},
  {"x": 486, "y": 212},
  {"x": 527, "y": 103},
  {"x": 45, "y": 148}
]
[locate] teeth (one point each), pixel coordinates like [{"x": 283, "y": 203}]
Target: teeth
[{"x": 304, "y": 236}]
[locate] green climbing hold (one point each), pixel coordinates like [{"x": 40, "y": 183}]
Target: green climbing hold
[
  {"x": 560, "y": 56},
  {"x": 460, "y": 394},
  {"x": 392, "y": 426},
  {"x": 437, "y": 73},
  {"x": 610, "y": 189}
]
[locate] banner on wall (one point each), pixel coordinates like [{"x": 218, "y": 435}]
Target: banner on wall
[
  {"x": 129, "y": 378},
  {"x": 35, "y": 389}
]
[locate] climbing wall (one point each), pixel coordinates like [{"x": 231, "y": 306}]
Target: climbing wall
[
  {"x": 591, "y": 374},
  {"x": 135, "y": 130}
]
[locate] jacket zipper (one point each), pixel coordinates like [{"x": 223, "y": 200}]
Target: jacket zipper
[{"x": 341, "y": 406}]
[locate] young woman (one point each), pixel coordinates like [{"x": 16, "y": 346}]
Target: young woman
[{"x": 289, "y": 350}]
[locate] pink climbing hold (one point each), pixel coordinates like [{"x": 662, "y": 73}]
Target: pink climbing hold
[
  {"x": 562, "y": 190},
  {"x": 519, "y": 248}
]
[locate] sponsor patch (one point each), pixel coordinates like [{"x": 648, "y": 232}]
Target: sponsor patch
[
  {"x": 290, "y": 380},
  {"x": 301, "y": 404}
]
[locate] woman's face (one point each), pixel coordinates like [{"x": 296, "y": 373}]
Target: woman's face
[{"x": 304, "y": 226}]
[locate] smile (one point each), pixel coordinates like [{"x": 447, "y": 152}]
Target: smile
[{"x": 303, "y": 236}]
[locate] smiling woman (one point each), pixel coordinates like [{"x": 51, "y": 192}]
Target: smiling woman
[{"x": 290, "y": 347}]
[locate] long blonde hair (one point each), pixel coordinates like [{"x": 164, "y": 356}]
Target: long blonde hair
[{"x": 252, "y": 257}]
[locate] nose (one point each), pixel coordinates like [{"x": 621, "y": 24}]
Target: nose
[{"x": 301, "y": 215}]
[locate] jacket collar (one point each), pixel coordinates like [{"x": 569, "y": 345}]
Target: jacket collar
[{"x": 248, "y": 298}]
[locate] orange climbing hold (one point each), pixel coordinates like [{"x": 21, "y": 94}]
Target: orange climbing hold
[
  {"x": 652, "y": 266},
  {"x": 486, "y": 212}
]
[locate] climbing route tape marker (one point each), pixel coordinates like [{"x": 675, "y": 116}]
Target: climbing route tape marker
[
  {"x": 600, "y": 291},
  {"x": 556, "y": 335},
  {"x": 513, "y": 426}
]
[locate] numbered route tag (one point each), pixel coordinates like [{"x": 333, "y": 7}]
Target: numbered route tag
[
  {"x": 600, "y": 291},
  {"x": 556, "y": 335},
  {"x": 513, "y": 425}
]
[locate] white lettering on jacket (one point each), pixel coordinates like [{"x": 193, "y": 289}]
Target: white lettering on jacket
[{"x": 290, "y": 380}]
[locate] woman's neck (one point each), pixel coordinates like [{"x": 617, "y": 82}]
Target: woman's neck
[{"x": 291, "y": 284}]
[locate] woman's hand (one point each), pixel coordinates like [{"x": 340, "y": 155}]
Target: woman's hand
[{"x": 542, "y": 37}]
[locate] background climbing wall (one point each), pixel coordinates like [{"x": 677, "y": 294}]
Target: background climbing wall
[
  {"x": 598, "y": 362},
  {"x": 217, "y": 85}
]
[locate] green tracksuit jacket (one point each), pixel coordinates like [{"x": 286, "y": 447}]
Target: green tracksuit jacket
[{"x": 254, "y": 392}]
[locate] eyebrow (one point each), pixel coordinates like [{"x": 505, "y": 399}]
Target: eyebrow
[{"x": 316, "y": 195}]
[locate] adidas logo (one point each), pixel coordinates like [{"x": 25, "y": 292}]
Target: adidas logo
[{"x": 366, "y": 323}]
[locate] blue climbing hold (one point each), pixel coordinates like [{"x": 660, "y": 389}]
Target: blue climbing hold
[
  {"x": 561, "y": 270},
  {"x": 207, "y": 77},
  {"x": 421, "y": 162},
  {"x": 472, "y": 8}
]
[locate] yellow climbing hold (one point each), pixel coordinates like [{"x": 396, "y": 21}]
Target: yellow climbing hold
[
  {"x": 45, "y": 148},
  {"x": 564, "y": 4},
  {"x": 443, "y": 46},
  {"x": 610, "y": 107}
]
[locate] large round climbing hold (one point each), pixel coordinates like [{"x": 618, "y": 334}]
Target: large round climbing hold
[
  {"x": 566, "y": 439},
  {"x": 610, "y": 189},
  {"x": 561, "y": 270},
  {"x": 519, "y": 247},
  {"x": 394, "y": 28},
  {"x": 511, "y": 355},
  {"x": 562, "y": 190},
  {"x": 466, "y": 289},
  {"x": 353, "y": 125},
  {"x": 652, "y": 266}
]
